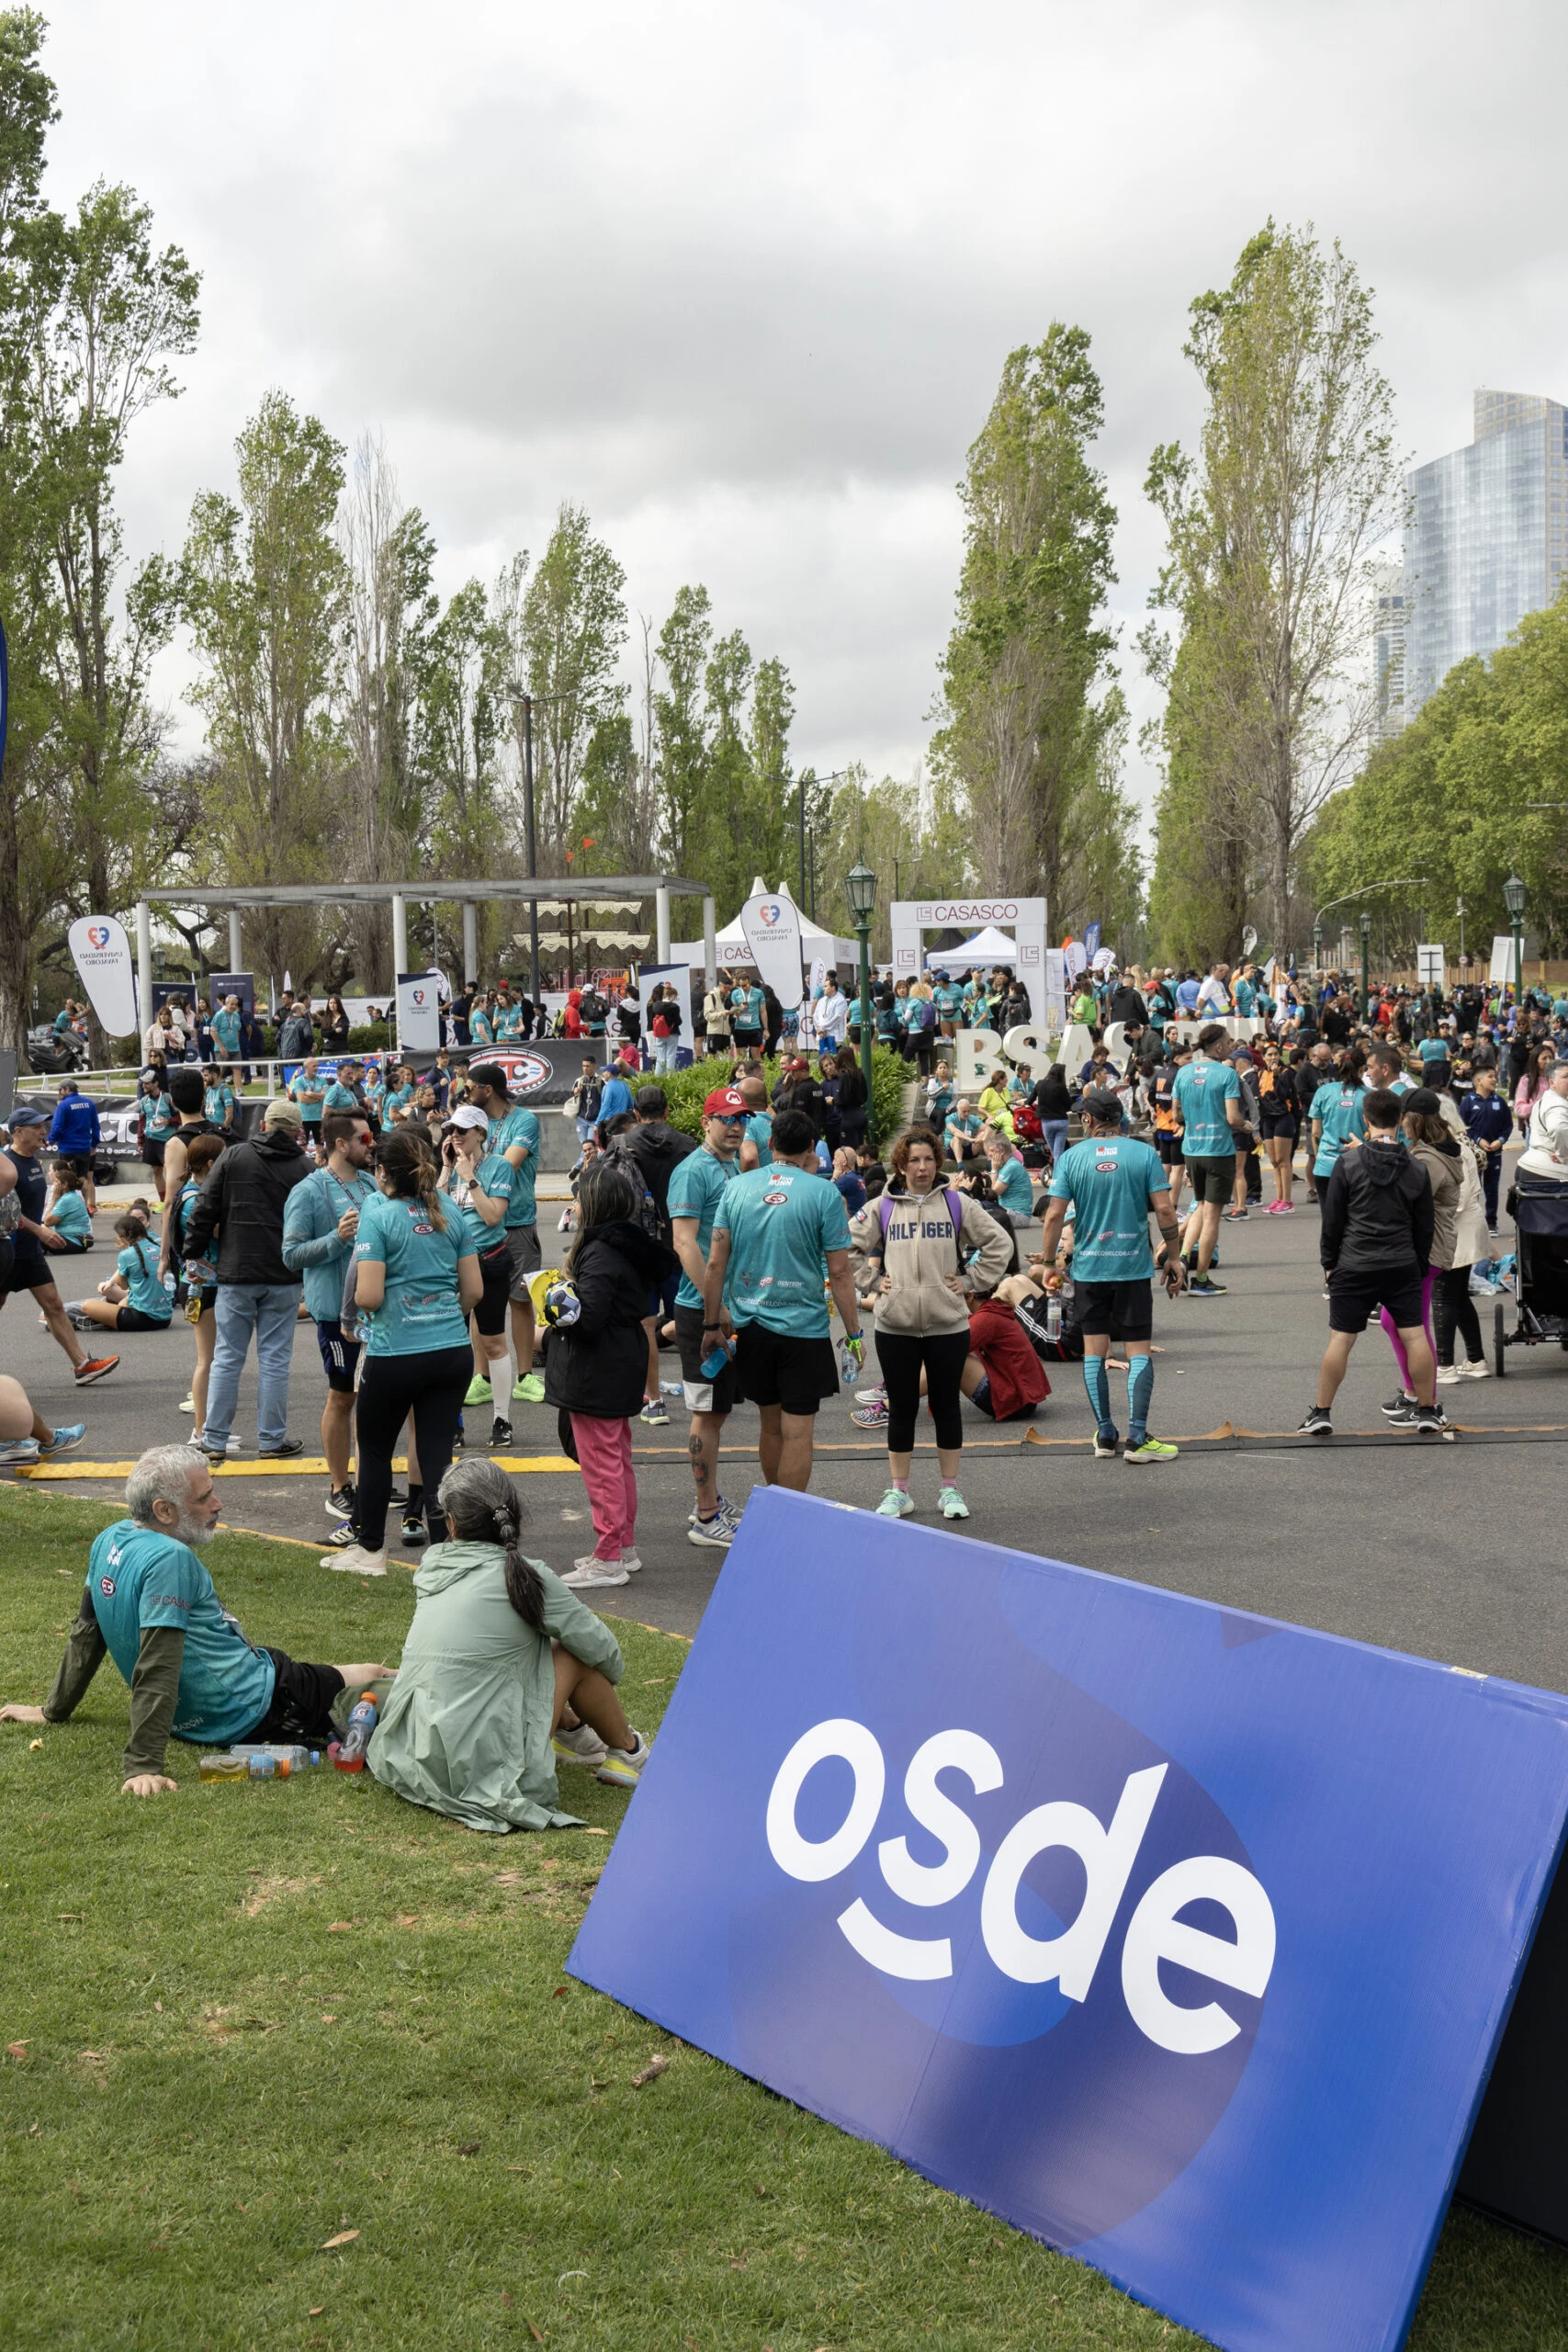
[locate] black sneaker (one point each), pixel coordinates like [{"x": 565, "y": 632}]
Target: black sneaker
[
  {"x": 1204, "y": 1286},
  {"x": 397, "y": 1499},
  {"x": 413, "y": 1529},
  {"x": 460, "y": 1437},
  {"x": 283, "y": 1452},
  {"x": 1400, "y": 1412},
  {"x": 1430, "y": 1420},
  {"x": 339, "y": 1503},
  {"x": 1318, "y": 1422},
  {"x": 501, "y": 1431}
]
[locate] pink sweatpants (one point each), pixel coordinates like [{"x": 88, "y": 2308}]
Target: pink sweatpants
[
  {"x": 604, "y": 1457},
  {"x": 1397, "y": 1344}
]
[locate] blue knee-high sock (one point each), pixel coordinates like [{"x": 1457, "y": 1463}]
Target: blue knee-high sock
[
  {"x": 1099, "y": 1388},
  {"x": 1140, "y": 1388}
]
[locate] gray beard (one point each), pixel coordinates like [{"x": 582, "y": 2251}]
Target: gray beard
[{"x": 191, "y": 1530}]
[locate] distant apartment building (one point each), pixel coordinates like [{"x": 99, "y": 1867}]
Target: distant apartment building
[
  {"x": 1484, "y": 541},
  {"x": 1388, "y": 650}
]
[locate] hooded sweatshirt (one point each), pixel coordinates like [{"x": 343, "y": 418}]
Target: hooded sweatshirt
[
  {"x": 467, "y": 1728},
  {"x": 1377, "y": 1213},
  {"x": 598, "y": 1365}
]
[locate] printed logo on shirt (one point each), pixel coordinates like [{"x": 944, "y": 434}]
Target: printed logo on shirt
[
  {"x": 775, "y": 1199},
  {"x": 105, "y": 1584}
]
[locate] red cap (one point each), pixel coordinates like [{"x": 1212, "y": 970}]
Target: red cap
[{"x": 725, "y": 1102}]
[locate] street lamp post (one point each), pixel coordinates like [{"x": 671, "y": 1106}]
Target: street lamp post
[
  {"x": 1317, "y": 948},
  {"x": 860, "y": 887},
  {"x": 1366, "y": 982},
  {"x": 1514, "y": 900}
]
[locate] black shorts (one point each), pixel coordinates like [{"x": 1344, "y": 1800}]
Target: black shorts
[
  {"x": 25, "y": 1273},
  {"x": 702, "y": 1396},
  {"x": 776, "y": 1368},
  {"x": 1269, "y": 1128},
  {"x": 80, "y": 1164},
  {"x": 489, "y": 1315},
  {"x": 152, "y": 1149},
  {"x": 130, "y": 1319},
  {"x": 339, "y": 1357},
  {"x": 1115, "y": 1310},
  {"x": 301, "y": 1702},
  {"x": 1169, "y": 1150},
  {"x": 1354, "y": 1299},
  {"x": 1212, "y": 1175}
]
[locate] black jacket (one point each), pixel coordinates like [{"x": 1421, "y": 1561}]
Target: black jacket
[
  {"x": 655, "y": 1151},
  {"x": 599, "y": 1364},
  {"x": 1126, "y": 1004},
  {"x": 242, "y": 1200},
  {"x": 1377, "y": 1211}
]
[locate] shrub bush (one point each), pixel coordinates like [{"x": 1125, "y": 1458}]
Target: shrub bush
[
  {"x": 687, "y": 1090},
  {"x": 369, "y": 1038}
]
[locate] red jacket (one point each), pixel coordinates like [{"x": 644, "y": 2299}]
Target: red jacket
[{"x": 1015, "y": 1371}]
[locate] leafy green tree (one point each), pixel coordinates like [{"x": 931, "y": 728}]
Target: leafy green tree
[
  {"x": 912, "y": 834},
  {"x": 571, "y": 627},
  {"x": 681, "y": 720},
  {"x": 1028, "y": 661}
]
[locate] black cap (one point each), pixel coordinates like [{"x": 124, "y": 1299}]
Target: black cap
[
  {"x": 1423, "y": 1102},
  {"x": 1098, "y": 1102}
]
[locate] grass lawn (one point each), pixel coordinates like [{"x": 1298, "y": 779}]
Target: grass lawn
[{"x": 254, "y": 2018}]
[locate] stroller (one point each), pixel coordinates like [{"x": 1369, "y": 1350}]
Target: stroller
[{"x": 1539, "y": 1211}]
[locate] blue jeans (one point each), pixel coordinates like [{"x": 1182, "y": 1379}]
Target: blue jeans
[
  {"x": 270, "y": 1310},
  {"x": 664, "y": 1052},
  {"x": 1055, "y": 1133}
]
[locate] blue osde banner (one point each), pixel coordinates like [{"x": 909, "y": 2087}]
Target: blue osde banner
[{"x": 1181, "y": 1939}]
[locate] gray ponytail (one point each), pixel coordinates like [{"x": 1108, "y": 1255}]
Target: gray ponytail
[{"x": 481, "y": 1503}]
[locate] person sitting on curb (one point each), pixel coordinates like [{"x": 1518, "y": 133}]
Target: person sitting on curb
[{"x": 193, "y": 1675}]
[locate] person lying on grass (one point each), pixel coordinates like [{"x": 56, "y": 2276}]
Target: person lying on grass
[
  {"x": 193, "y": 1675},
  {"x": 502, "y": 1660}
]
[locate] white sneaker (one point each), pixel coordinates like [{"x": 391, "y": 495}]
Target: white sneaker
[
  {"x": 1448, "y": 1375},
  {"x": 630, "y": 1562},
  {"x": 1476, "y": 1370},
  {"x": 582, "y": 1746},
  {"x": 198, "y": 1438},
  {"x": 187, "y": 1404},
  {"x": 587, "y": 1575},
  {"x": 356, "y": 1561}
]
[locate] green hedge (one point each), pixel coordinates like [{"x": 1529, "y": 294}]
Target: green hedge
[
  {"x": 369, "y": 1038},
  {"x": 687, "y": 1090}
]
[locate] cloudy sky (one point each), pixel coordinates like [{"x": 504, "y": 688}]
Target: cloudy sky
[{"x": 741, "y": 280}]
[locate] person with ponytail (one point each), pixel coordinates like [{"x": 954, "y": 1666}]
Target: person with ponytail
[
  {"x": 504, "y": 1669},
  {"x": 415, "y": 1281}
]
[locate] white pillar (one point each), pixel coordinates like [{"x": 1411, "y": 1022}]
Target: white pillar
[
  {"x": 236, "y": 942},
  {"x": 470, "y": 942},
  {"x": 661, "y": 921},
  {"x": 400, "y": 935},
  {"x": 710, "y": 944},
  {"x": 144, "y": 959}
]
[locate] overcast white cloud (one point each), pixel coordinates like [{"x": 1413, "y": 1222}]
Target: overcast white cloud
[{"x": 741, "y": 280}]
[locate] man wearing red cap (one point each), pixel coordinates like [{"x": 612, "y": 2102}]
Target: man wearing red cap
[{"x": 696, "y": 1186}]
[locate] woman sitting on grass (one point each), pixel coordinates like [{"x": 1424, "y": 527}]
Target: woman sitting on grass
[{"x": 504, "y": 1669}]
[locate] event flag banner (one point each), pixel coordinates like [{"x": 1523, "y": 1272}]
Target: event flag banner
[
  {"x": 101, "y": 953},
  {"x": 771, "y": 925},
  {"x": 419, "y": 1012},
  {"x": 1181, "y": 1939},
  {"x": 1056, "y": 991},
  {"x": 1091, "y": 940}
]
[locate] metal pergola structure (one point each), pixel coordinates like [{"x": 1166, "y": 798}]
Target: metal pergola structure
[{"x": 586, "y": 889}]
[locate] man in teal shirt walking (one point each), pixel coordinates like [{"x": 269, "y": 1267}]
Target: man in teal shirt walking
[{"x": 515, "y": 1136}]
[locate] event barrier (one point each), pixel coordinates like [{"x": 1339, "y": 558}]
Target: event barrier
[{"x": 1183, "y": 1939}]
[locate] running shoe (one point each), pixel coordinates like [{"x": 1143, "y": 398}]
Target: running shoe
[
  {"x": 1475, "y": 1370},
  {"x": 413, "y": 1528},
  {"x": 653, "y": 1413},
  {"x": 500, "y": 1432},
  {"x": 896, "y": 1504},
  {"x": 355, "y": 1561},
  {"x": 875, "y": 1395},
  {"x": 339, "y": 1503},
  {"x": 531, "y": 1389},
  {"x": 714, "y": 1534},
  {"x": 581, "y": 1746},
  {"x": 343, "y": 1535},
  {"x": 589, "y": 1575},
  {"x": 1234, "y": 1217},
  {"x": 187, "y": 1404},
  {"x": 479, "y": 1392},
  {"x": 950, "y": 1504},
  {"x": 1448, "y": 1375},
  {"x": 630, "y": 1562},
  {"x": 198, "y": 1438},
  {"x": 94, "y": 1368},
  {"x": 459, "y": 1438},
  {"x": 624, "y": 1770},
  {"x": 871, "y": 1416},
  {"x": 1105, "y": 1442},
  {"x": 19, "y": 1449},
  {"x": 1430, "y": 1420},
  {"x": 1284, "y": 1208},
  {"x": 1205, "y": 1286},
  {"x": 1318, "y": 1422},
  {"x": 1152, "y": 1449},
  {"x": 283, "y": 1451},
  {"x": 1399, "y": 1408},
  {"x": 397, "y": 1499},
  {"x": 62, "y": 1441}
]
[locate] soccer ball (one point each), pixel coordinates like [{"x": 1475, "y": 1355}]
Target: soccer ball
[{"x": 562, "y": 1306}]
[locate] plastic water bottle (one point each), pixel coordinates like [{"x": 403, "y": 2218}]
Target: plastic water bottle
[
  {"x": 851, "y": 1359},
  {"x": 299, "y": 1759},
  {"x": 1053, "y": 1319},
  {"x": 671, "y": 1388},
  {"x": 350, "y": 1756},
  {"x": 233, "y": 1766},
  {"x": 714, "y": 1362}
]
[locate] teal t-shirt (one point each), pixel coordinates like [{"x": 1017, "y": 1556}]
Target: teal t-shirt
[
  {"x": 137, "y": 1577},
  {"x": 1202, "y": 1091},
  {"x": 508, "y": 1021},
  {"x": 1013, "y": 1189},
  {"x": 746, "y": 1009},
  {"x": 1339, "y": 1107},
  {"x": 480, "y": 1030},
  {"x": 339, "y": 1097},
  {"x": 190, "y": 1192},
  {"x": 69, "y": 1216},
  {"x": 780, "y": 1223},
  {"x": 300, "y": 1086},
  {"x": 1110, "y": 1180},
  {"x": 519, "y": 1127},
  {"x": 396, "y": 1098},
  {"x": 160, "y": 1117},
  {"x": 949, "y": 1000},
  {"x": 217, "y": 1103},
  {"x": 497, "y": 1179},
  {"x": 137, "y": 1266},
  {"x": 696, "y": 1184},
  {"x": 759, "y": 1131},
  {"x": 1433, "y": 1050},
  {"x": 225, "y": 1034},
  {"x": 420, "y": 1310}
]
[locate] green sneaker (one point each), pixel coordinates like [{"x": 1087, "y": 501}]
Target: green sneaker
[
  {"x": 1152, "y": 1449},
  {"x": 952, "y": 1505},
  {"x": 480, "y": 1392},
  {"x": 896, "y": 1504},
  {"x": 531, "y": 1388}
]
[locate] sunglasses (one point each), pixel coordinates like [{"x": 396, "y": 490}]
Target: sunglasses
[{"x": 731, "y": 1118}]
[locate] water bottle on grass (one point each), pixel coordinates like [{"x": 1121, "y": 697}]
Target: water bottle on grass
[{"x": 350, "y": 1756}]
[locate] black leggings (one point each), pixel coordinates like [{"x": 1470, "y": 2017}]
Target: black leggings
[
  {"x": 901, "y": 1355},
  {"x": 1452, "y": 1307},
  {"x": 431, "y": 1386}
]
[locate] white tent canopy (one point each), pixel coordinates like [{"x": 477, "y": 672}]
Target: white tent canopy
[
  {"x": 987, "y": 947},
  {"x": 839, "y": 954}
]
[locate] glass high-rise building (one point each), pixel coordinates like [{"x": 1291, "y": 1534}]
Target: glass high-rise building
[
  {"x": 1388, "y": 650},
  {"x": 1485, "y": 542}
]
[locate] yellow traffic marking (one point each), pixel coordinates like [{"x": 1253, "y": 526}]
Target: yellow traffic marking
[{"x": 316, "y": 1468}]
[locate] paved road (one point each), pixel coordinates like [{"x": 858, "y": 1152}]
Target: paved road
[{"x": 1448, "y": 1549}]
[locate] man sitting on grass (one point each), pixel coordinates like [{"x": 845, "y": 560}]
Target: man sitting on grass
[{"x": 149, "y": 1602}]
